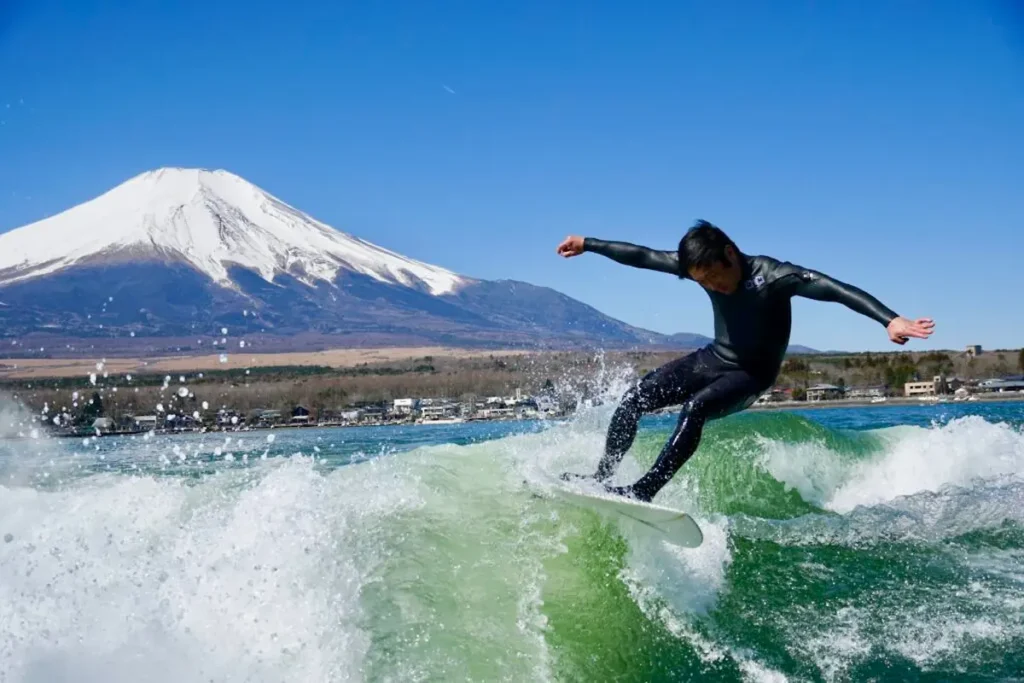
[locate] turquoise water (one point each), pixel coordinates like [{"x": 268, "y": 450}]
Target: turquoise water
[{"x": 882, "y": 543}]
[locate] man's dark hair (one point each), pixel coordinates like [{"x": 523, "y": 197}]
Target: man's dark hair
[{"x": 702, "y": 246}]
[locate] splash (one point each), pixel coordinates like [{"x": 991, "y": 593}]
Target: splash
[{"x": 918, "y": 460}]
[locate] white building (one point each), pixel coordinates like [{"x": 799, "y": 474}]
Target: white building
[
  {"x": 437, "y": 411},
  {"x": 546, "y": 404},
  {"x": 824, "y": 392},
  {"x": 405, "y": 406},
  {"x": 866, "y": 392}
]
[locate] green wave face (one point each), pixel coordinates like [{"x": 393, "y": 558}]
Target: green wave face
[
  {"x": 736, "y": 469},
  {"x": 894, "y": 554}
]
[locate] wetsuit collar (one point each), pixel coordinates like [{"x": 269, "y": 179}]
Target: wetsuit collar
[{"x": 746, "y": 272}]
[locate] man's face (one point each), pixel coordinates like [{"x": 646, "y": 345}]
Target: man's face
[{"x": 721, "y": 278}]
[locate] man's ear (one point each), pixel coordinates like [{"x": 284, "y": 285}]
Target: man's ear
[{"x": 730, "y": 253}]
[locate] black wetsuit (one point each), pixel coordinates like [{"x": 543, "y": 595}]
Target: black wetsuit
[{"x": 752, "y": 327}]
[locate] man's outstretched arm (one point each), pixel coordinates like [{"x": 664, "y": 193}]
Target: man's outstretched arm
[
  {"x": 623, "y": 252},
  {"x": 812, "y": 284}
]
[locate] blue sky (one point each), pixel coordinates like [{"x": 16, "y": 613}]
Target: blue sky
[{"x": 880, "y": 142}]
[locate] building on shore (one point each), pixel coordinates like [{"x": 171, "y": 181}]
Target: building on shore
[
  {"x": 862, "y": 393},
  {"x": 145, "y": 422},
  {"x": 937, "y": 386},
  {"x": 973, "y": 350},
  {"x": 824, "y": 392},
  {"x": 1001, "y": 385},
  {"x": 772, "y": 396},
  {"x": 405, "y": 406},
  {"x": 438, "y": 411}
]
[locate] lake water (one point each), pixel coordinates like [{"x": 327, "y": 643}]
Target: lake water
[{"x": 880, "y": 543}]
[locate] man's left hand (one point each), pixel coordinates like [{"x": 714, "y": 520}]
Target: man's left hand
[{"x": 901, "y": 329}]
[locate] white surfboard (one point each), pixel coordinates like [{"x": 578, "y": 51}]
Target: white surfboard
[{"x": 674, "y": 526}]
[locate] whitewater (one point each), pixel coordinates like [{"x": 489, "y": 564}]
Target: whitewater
[{"x": 840, "y": 545}]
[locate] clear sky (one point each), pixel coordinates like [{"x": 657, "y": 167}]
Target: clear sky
[{"x": 881, "y": 142}]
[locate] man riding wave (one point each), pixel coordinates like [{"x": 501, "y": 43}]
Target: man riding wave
[{"x": 750, "y": 297}]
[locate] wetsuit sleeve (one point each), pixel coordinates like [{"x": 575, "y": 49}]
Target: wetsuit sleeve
[
  {"x": 634, "y": 255},
  {"x": 811, "y": 284}
]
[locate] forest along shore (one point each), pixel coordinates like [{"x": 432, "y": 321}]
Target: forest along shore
[{"x": 235, "y": 398}]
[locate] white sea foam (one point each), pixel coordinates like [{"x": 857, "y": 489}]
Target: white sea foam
[{"x": 121, "y": 578}]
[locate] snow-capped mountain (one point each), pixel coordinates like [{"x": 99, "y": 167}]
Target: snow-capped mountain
[
  {"x": 210, "y": 220},
  {"x": 175, "y": 254}
]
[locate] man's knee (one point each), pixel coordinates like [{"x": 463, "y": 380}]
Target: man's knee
[
  {"x": 634, "y": 399},
  {"x": 695, "y": 407}
]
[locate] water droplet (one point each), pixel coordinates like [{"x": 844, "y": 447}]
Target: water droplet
[
  {"x": 223, "y": 358},
  {"x": 160, "y": 407},
  {"x": 223, "y": 330},
  {"x": 271, "y": 437},
  {"x": 99, "y": 367},
  {"x": 241, "y": 344},
  {"x": 196, "y": 414},
  {"x": 183, "y": 392},
  {"x": 92, "y": 378},
  {"x": 129, "y": 378},
  {"x": 132, "y": 334},
  {"x": 206, "y": 405}
]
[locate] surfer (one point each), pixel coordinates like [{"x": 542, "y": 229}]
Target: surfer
[{"x": 750, "y": 297}]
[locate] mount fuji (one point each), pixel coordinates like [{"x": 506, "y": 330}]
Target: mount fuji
[{"x": 175, "y": 254}]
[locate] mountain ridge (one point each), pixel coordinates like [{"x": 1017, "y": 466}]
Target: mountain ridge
[{"x": 179, "y": 253}]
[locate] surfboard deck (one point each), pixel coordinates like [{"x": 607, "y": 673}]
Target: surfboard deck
[{"x": 675, "y": 526}]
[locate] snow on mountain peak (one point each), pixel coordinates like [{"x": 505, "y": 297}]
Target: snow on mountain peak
[{"x": 210, "y": 219}]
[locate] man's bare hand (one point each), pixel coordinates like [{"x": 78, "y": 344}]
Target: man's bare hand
[
  {"x": 901, "y": 330},
  {"x": 571, "y": 246}
]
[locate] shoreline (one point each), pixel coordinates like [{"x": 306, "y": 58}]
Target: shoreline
[
  {"x": 901, "y": 401},
  {"x": 896, "y": 401},
  {"x": 91, "y": 434}
]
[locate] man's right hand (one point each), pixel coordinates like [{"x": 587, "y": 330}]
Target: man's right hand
[{"x": 571, "y": 246}]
